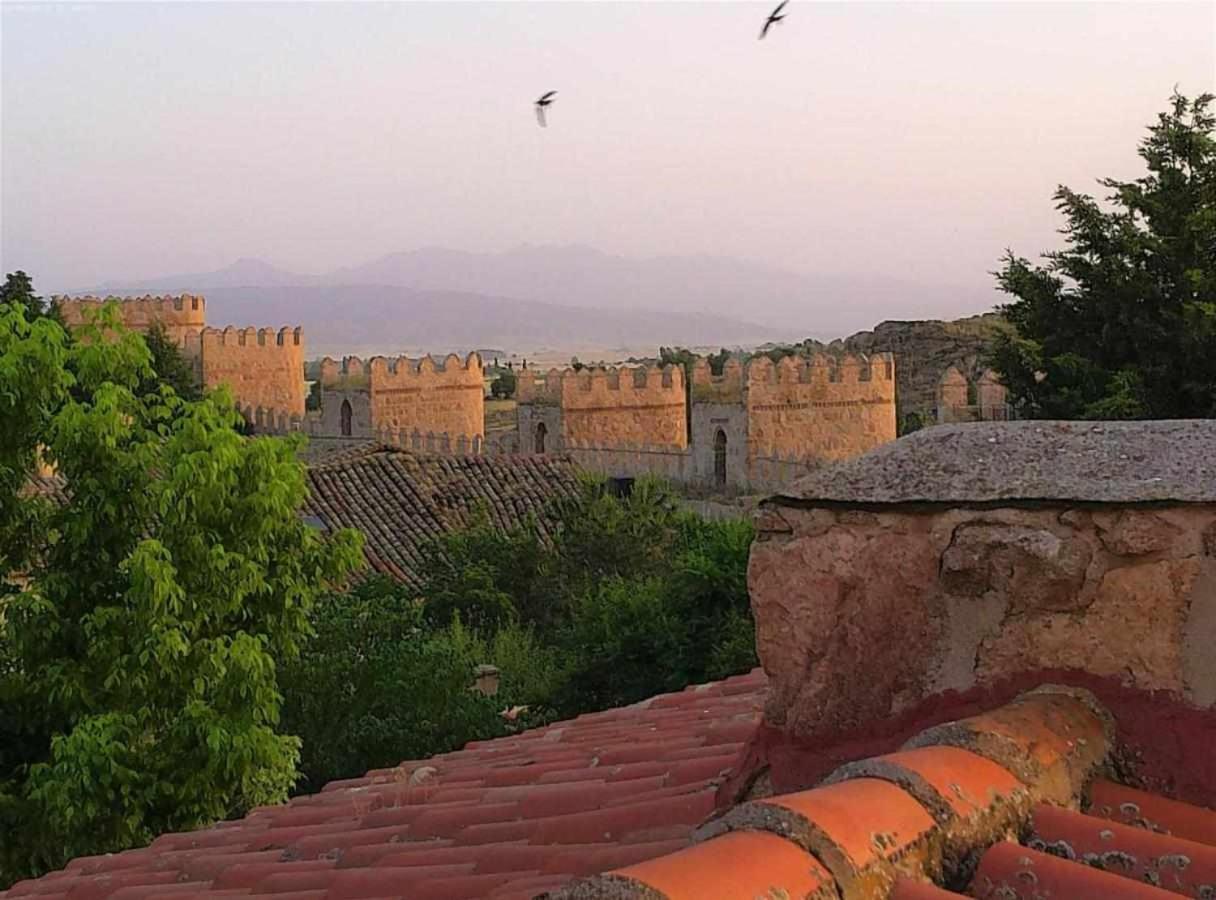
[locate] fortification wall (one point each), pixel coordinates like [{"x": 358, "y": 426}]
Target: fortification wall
[
  {"x": 823, "y": 408},
  {"x": 263, "y": 368},
  {"x": 980, "y": 398},
  {"x": 615, "y": 407},
  {"x": 183, "y": 317},
  {"x": 345, "y": 413},
  {"x": 709, "y": 388},
  {"x": 422, "y": 395},
  {"x": 719, "y": 443},
  {"x": 349, "y": 372}
]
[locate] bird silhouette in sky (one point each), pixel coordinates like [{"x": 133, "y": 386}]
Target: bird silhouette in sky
[
  {"x": 541, "y": 105},
  {"x": 773, "y": 17}
]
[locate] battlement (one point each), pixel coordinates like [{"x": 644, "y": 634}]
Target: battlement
[
  {"x": 710, "y": 388},
  {"x": 571, "y": 388},
  {"x": 380, "y": 367},
  {"x": 251, "y": 337},
  {"x": 263, "y": 366},
  {"x": 138, "y": 313},
  {"x": 333, "y": 371},
  {"x": 382, "y": 370},
  {"x": 822, "y": 369}
]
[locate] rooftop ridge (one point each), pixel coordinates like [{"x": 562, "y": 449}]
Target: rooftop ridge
[{"x": 1167, "y": 460}]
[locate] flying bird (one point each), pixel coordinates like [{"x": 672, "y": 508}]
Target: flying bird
[
  {"x": 542, "y": 104},
  {"x": 773, "y": 17}
]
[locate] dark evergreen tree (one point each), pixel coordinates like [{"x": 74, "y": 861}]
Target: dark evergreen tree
[{"x": 1122, "y": 322}]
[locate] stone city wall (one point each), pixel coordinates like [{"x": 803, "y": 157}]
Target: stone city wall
[
  {"x": 615, "y": 407},
  {"x": 262, "y": 367},
  {"x": 419, "y": 394},
  {"x": 181, "y": 316},
  {"x": 861, "y": 615},
  {"x": 404, "y": 393},
  {"x": 962, "y": 399},
  {"x": 823, "y": 408}
]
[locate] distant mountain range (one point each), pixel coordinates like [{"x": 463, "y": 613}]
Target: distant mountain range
[{"x": 545, "y": 296}]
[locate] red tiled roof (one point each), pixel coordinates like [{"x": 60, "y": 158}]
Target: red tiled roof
[
  {"x": 949, "y": 810},
  {"x": 402, "y": 500},
  {"x": 507, "y": 818}
]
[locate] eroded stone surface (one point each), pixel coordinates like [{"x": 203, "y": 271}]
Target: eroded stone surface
[
  {"x": 859, "y": 616},
  {"x": 1038, "y": 568}
]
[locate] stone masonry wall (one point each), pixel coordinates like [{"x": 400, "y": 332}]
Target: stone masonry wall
[
  {"x": 181, "y": 316},
  {"x": 262, "y": 367},
  {"x": 419, "y": 394},
  {"x": 824, "y": 409},
  {"x": 620, "y": 407},
  {"x": 863, "y": 614}
]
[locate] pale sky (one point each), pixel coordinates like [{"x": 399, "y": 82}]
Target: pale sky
[{"x": 914, "y": 140}]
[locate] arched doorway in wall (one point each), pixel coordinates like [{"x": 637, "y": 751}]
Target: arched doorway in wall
[
  {"x": 346, "y": 414},
  {"x": 720, "y": 458},
  {"x": 541, "y": 432}
]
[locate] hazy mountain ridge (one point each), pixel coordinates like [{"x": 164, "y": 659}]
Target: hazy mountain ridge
[
  {"x": 560, "y": 295},
  {"x": 388, "y": 319}
]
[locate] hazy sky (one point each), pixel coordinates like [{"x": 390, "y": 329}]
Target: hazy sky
[{"x": 913, "y": 139}]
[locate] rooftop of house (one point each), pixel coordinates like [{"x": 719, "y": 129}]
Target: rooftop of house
[
  {"x": 507, "y": 818},
  {"x": 52, "y": 487},
  {"x": 986, "y": 462},
  {"x": 1021, "y": 801},
  {"x": 402, "y": 500},
  {"x": 1017, "y": 802}
]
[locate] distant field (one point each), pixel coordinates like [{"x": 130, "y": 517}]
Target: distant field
[{"x": 500, "y": 416}]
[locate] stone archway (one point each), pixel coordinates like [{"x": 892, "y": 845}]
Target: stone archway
[
  {"x": 541, "y": 433},
  {"x": 345, "y": 415},
  {"x": 720, "y": 458}
]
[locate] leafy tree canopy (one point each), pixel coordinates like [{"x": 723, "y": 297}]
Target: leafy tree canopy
[
  {"x": 138, "y": 656},
  {"x": 169, "y": 366},
  {"x": 1122, "y": 322},
  {"x": 504, "y": 385}
]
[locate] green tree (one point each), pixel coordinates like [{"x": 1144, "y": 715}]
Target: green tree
[
  {"x": 503, "y": 387},
  {"x": 313, "y": 400},
  {"x": 138, "y": 672},
  {"x": 1122, "y": 322},
  {"x": 376, "y": 684},
  {"x": 19, "y": 288},
  {"x": 487, "y": 576},
  {"x": 169, "y": 366}
]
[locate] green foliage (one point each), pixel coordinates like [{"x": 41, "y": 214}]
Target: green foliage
[
  {"x": 634, "y": 596},
  {"x": 169, "y": 366},
  {"x": 913, "y": 421},
  {"x": 486, "y": 576},
  {"x": 1122, "y": 322},
  {"x": 138, "y": 663},
  {"x": 503, "y": 387},
  {"x": 376, "y": 684},
  {"x": 313, "y": 400},
  {"x": 18, "y": 288}
]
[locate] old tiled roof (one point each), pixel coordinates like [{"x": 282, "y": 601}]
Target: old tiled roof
[
  {"x": 52, "y": 487},
  {"x": 990, "y": 806},
  {"x": 1107, "y": 462},
  {"x": 402, "y": 500},
  {"x": 322, "y": 450},
  {"x": 507, "y": 818}
]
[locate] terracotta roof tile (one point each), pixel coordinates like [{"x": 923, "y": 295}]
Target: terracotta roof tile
[
  {"x": 907, "y": 889},
  {"x": 402, "y": 500},
  {"x": 1009, "y": 871},
  {"x": 899, "y": 825},
  {"x": 1174, "y": 864},
  {"x": 500, "y": 818},
  {"x": 742, "y": 864},
  {"x": 1156, "y": 813},
  {"x": 941, "y": 811}
]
